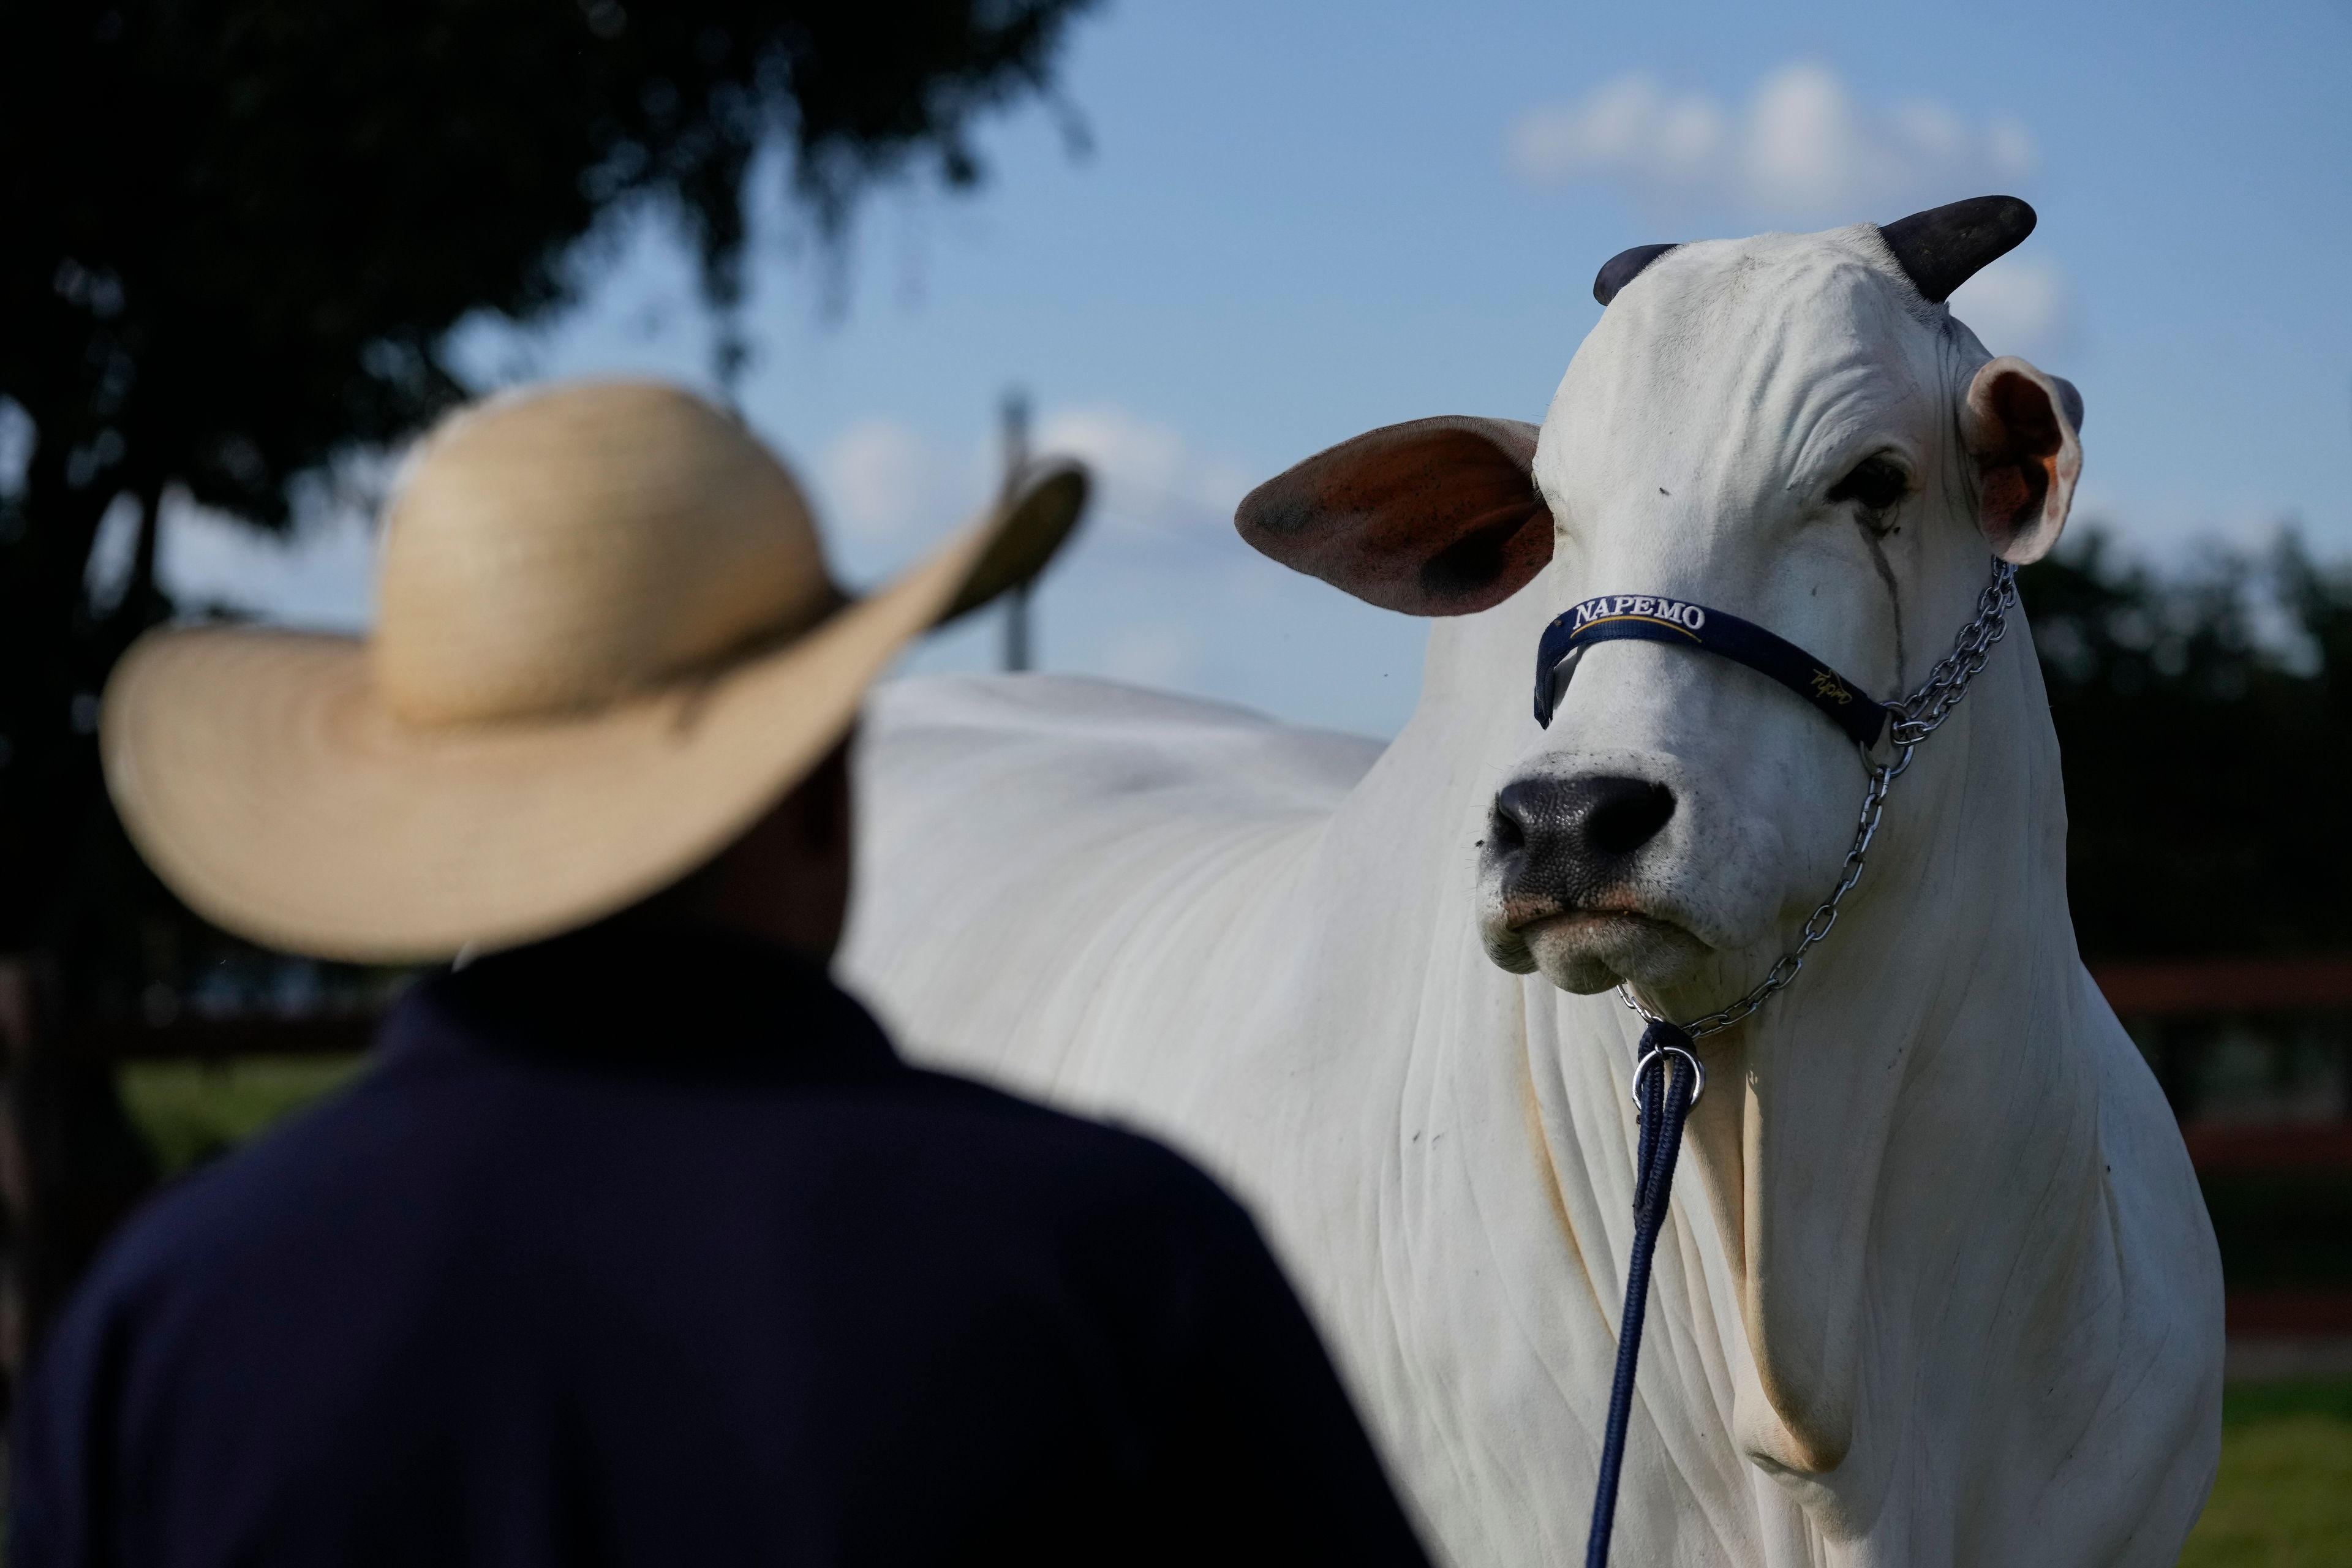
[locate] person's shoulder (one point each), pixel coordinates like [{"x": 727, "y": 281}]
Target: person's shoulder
[
  {"x": 1118, "y": 1165},
  {"x": 296, "y": 1175}
]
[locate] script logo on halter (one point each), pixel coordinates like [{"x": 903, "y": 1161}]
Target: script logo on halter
[{"x": 1641, "y": 606}]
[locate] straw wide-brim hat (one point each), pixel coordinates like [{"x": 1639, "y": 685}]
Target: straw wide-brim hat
[{"x": 605, "y": 643}]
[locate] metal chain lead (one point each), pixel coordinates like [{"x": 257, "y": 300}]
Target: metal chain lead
[
  {"x": 1919, "y": 715},
  {"x": 1912, "y": 720}
]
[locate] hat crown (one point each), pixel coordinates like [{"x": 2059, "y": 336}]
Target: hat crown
[{"x": 558, "y": 550}]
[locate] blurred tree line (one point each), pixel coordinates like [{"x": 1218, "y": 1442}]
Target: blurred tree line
[
  {"x": 2205, "y": 715},
  {"x": 235, "y": 236}
]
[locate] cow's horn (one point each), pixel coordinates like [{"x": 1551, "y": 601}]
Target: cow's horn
[
  {"x": 1623, "y": 269},
  {"x": 1943, "y": 247}
]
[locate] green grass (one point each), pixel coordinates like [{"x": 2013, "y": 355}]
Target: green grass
[
  {"x": 2284, "y": 1497},
  {"x": 190, "y": 1111}
]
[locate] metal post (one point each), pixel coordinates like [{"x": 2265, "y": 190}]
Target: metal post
[{"x": 1016, "y": 458}]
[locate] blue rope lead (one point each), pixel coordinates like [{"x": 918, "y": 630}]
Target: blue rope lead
[{"x": 1664, "y": 1085}]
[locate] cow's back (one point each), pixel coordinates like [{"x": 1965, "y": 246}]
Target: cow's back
[{"x": 1038, "y": 855}]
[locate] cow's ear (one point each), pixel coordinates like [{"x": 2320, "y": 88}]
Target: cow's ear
[
  {"x": 2021, "y": 427},
  {"x": 1437, "y": 517}
]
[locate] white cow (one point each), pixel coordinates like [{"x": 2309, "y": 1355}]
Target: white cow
[{"x": 1938, "y": 1286}]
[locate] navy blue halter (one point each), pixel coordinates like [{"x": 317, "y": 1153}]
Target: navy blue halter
[{"x": 1650, "y": 617}]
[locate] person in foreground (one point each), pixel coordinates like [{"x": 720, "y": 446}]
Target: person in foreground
[{"x": 638, "y": 1244}]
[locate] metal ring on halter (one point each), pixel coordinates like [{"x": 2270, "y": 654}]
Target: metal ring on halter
[
  {"x": 1654, "y": 1052},
  {"x": 1898, "y": 754}
]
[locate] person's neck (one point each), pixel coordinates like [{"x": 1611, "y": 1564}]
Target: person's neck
[
  {"x": 662, "y": 994},
  {"x": 685, "y": 927}
]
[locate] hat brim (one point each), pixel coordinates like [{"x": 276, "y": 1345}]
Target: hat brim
[{"x": 267, "y": 783}]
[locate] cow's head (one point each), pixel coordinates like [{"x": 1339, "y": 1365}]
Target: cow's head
[{"x": 1791, "y": 428}]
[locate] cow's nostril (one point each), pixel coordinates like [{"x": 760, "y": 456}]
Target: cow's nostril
[
  {"x": 1628, "y": 815},
  {"x": 1506, "y": 831}
]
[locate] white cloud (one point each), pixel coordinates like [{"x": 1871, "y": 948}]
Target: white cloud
[
  {"x": 1803, "y": 150},
  {"x": 1148, "y": 475},
  {"x": 319, "y": 576},
  {"x": 2017, "y": 305},
  {"x": 886, "y": 482}
]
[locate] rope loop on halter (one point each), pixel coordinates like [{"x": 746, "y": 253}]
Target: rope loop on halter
[
  {"x": 1667, "y": 1076},
  {"x": 1650, "y": 1055}
]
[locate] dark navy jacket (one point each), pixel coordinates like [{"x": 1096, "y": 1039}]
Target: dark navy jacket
[{"x": 650, "y": 1250}]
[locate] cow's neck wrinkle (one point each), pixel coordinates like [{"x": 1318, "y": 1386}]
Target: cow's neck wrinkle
[{"x": 1900, "y": 1063}]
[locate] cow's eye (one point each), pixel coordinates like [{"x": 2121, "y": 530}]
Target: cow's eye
[{"x": 1875, "y": 482}]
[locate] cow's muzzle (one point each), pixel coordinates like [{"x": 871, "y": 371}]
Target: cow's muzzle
[
  {"x": 1569, "y": 880},
  {"x": 1563, "y": 884},
  {"x": 1565, "y": 846}
]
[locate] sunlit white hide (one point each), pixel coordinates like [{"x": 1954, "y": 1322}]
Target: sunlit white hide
[{"x": 1937, "y": 1287}]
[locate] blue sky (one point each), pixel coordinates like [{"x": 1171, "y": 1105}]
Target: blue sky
[{"x": 1298, "y": 221}]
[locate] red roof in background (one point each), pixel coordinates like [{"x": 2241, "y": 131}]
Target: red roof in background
[
  {"x": 2269, "y": 1146},
  {"x": 2289, "y": 1314},
  {"x": 2189, "y": 987}
]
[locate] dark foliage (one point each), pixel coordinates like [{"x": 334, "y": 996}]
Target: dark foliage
[
  {"x": 237, "y": 232},
  {"x": 2206, "y": 720}
]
